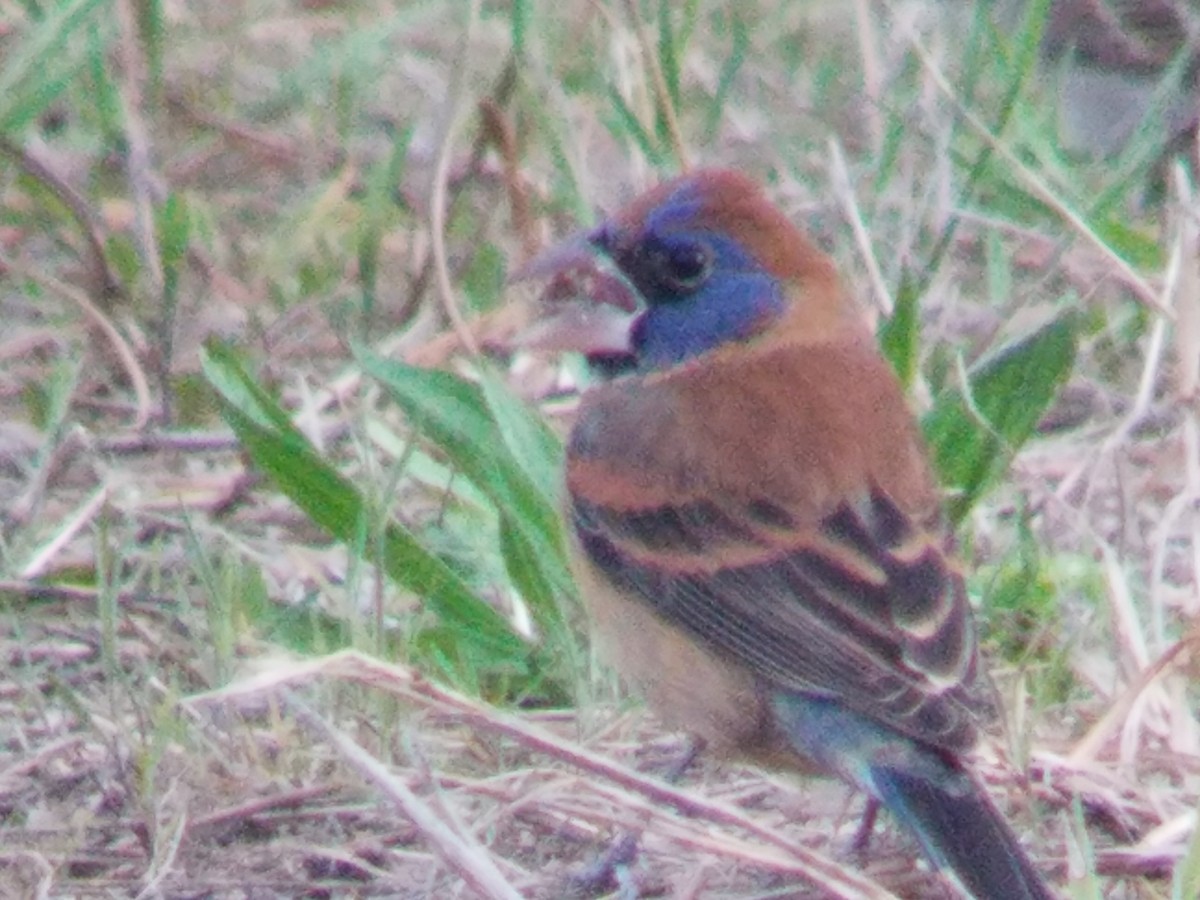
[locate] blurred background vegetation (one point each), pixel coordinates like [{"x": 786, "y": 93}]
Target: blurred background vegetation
[{"x": 259, "y": 399}]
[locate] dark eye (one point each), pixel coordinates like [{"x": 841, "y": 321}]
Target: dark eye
[{"x": 683, "y": 265}]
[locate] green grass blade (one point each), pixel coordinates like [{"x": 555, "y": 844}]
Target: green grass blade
[
  {"x": 628, "y": 125},
  {"x": 900, "y": 336},
  {"x": 739, "y": 45},
  {"x": 39, "y": 66}
]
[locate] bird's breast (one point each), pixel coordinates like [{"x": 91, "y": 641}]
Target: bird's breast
[{"x": 685, "y": 684}]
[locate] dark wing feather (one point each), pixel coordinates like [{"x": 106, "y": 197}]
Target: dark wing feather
[{"x": 865, "y": 608}]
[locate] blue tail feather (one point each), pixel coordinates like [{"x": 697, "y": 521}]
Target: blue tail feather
[{"x": 960, "y": 830}]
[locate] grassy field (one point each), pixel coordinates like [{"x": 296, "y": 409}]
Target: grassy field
[{"x": 283, "y": 600}]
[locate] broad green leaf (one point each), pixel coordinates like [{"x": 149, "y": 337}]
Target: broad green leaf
[
  {"x": 330, "y": 500},
  {"x": 1135, "y": 245},
  {"x": 973, "y": 437},
  {"x": 510, "y": 455},
  {"x": 461, "y": 419},
  {"x": 899, "y": 336},
  {"x": 998, "y": 269},
  {"x": 535, "y": 562},
  {"x": 534, "y": 447}
]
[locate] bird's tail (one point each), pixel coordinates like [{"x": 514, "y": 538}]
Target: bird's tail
[
  {"x": 926, "y": 789},
  {"x": 961, "y": 831}
]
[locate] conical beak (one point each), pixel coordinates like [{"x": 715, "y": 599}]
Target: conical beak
[
  {"x": 574, "y": 252},
  {"x": 590, "y": 306}
]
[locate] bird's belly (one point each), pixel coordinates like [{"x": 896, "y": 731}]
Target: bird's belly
[{"x": 685, "y": 684}]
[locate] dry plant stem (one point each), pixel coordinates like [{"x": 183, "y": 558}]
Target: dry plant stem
[
  {"x": 354, "y": 666},
  {"x": 166, "y": 846},
  {"x": 1142, "y": 401},
  {"x": 814, "y": 866},
  {"x": 461, "y": 852},
  {"x": 220, "y": 281},
  {"x": 498, "y": 99},
  {"x": 1187, "y": 303},
  {"x": 63, "y": 746},
  {"x": 670, "y": 825},
  {"x": 156, "y": 441},
  {"x": 86, "y": 512},
  {"x": 869, "y": 53},
  {"x": 1125, "y": 612},
  {"x": 499, "y": 132},
  {"x": 1089, "y": 748},
  {"x": 1036, "y": 184},
  {"x": 98, "y": 320},
  {"x": 1183, "y": 288},
  {"x": 275, "y": 150},
  {"x": 292, "y": 799},
  {"x": 1185, "y": 732},
  {"x": 623, "y": 850},
  {"x": 142, "y": 186},
  {"x": 650, "y": 58},
  {"x": 839, "y": 175},
  {"x": 1173, "y": 831},
  {"x": 27, "y": 505},
  {"x": 452, "y": 340},
  {"x": 32, "y": 164},
  {"x": 441, "y": 177},
  {"x": 1121, "y": 863},
  {"x": 1136, "y": 657},
  {"x": 348, "y": 861},
  {"x": 73, "y": 594},
  {"x": 45, "y": 872},
  {"x": 1180, "y": 288},
  {"x": 461, "y": 335},
  {"x": 500, "y": 95}
]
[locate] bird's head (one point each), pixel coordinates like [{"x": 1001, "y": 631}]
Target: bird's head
[{"x": 697, "y": 263}]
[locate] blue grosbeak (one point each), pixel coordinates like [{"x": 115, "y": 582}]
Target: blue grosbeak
[{"x": 758, "y": 534}]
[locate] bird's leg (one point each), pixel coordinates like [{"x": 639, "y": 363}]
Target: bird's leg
[
  {"x": 692, "y": 749},
  {"x": 862, "y": 837},
  {"x": 603, "y": 874},
  {"x": 609, "y": 871}
]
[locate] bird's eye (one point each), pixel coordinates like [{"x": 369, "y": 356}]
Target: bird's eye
[{"x": 683, "y": 265}]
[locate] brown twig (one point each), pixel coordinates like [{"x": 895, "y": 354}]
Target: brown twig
[
  {"x": 39, "y": 169},
  {"x": 663, "y": 96},
  {"x": 144, "y": 189},
  {"x": 499, "y": 132},
  {"x": 437, "y": 201},
  {"x": 99, "y": 321}
]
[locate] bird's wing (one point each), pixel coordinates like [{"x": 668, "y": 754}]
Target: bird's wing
[{"x": 865, "y": 608}]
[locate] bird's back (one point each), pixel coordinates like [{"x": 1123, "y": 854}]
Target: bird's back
[{"x": 714, "y": 496}]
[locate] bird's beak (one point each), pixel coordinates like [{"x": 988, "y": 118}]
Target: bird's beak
[{"x": 589, "y": 305}]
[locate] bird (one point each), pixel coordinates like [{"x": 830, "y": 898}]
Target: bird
[{"x": 755, "y": 527}]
